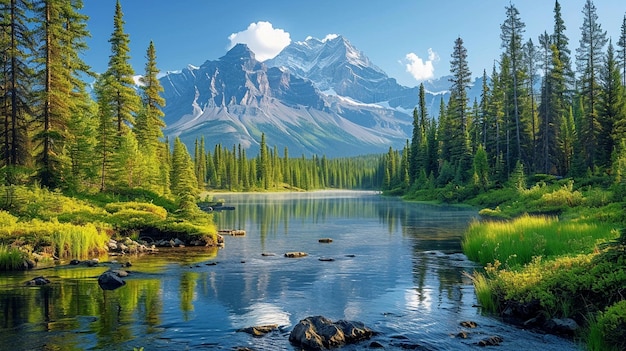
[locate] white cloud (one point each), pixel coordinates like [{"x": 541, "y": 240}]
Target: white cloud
[
  {"x": 421, "y": 70},
  {"x": 262, "y": 38}
]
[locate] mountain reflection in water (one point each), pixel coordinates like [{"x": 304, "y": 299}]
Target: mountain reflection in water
[{"x": 397, "y": 267}]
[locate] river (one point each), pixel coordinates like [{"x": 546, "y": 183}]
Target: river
[{"x": 393, "y": 265}]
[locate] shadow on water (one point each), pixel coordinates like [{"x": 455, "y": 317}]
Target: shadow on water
[{"x": 395, "y": 266}]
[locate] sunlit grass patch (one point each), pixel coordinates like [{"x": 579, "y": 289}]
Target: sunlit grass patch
[
  {"x": 11, "y": 258},
  {"x": 515, "y": 243}
]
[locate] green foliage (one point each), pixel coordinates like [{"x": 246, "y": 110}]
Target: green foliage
[
  {"x": 116, "y": 207},
  {"x": 65, "y": 240},
  {"x": 517, "y": 242},
  {"x": 11, "y": 258},
  {"x": 610, "y": 327},
  {"x": 7, "y": 219},
  {"x": 558, "y": 200},
  {"x": 484, "y": 292}
]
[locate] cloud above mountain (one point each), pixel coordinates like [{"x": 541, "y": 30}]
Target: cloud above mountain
[
  {"x": 262, "y": 38},
  {"x": 419, "y": 68}
]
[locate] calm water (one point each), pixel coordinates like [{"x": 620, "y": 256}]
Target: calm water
[{"x": 396, "y": 267}]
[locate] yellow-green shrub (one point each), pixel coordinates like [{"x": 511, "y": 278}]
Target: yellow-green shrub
[{"x": 115, "y": 207}]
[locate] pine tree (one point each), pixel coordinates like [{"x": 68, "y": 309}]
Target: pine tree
[
  {"x": 106, "y": 127},
  {"x": 81, "y": 144},
  {"x": 552, "y": 110},
  {"x": 589, "y": 58},
  {"x": 531, "y": 63},
  {"x": 149, "y": 127},
  {"x": 183, "y": 179},
  {"x": 18, "y": 45},
  {"x": 512, "y": 31},
  {"x": 432, "y": 158},
  {"x": 418, "y": 150},
  {"x": 484, "y": 110},
  {"x": 621, "y": 52},
  {"x": 126, "y": 101},
  {"x": 481, "y": 168},
  {"x": 128, "y": 166},
  {"x": 611, "y": 109},
  {"x": 560, "y": 40},
  {"x": 62, "y": 32},
  {"x": 566, "y": 142},
  {"x": 263, "y": 164},
  {"x": 458, "y": 105}
]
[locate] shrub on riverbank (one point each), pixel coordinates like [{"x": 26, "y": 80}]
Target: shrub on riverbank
[
  {"x": 11, "y": 258},
  {"x": 607, "y": 332},
  {"x": 38, "y": 221}
]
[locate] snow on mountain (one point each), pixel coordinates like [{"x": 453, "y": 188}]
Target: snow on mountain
[
  {"x": 233, "y": 100},
  {"x": 315, "y": 97}
]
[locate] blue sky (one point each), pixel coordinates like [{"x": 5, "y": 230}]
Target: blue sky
[{"x": 408, "y": 39}]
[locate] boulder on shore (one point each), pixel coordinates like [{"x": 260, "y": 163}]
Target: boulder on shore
[
  {"x": 320, "y": 333},
  {"x": 109, "y": 280}
]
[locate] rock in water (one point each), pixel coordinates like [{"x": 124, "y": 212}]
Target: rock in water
[
  {"x": 37, "y": 281},
  {"x": 259, "y": 330},
  {"x": 109, "y": 280},
  {"x": 320, "y": 333}
]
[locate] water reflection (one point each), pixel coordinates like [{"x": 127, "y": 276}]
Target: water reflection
[{"x": 396, "y": 267}]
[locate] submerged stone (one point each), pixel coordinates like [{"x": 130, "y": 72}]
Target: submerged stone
[{"x": 109, "y": 280}]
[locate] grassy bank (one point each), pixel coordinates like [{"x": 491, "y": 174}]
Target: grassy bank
[
  {"x": 553, "y": 251},
  {"x": 38, "y": 225},
  {"x": 516, "y": 242}
]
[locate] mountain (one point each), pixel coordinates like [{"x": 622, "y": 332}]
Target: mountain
[
  {"x": 233, "y": 100},
  {"x": 336, "y": 67},
  {"x": 320, "y": 97}
]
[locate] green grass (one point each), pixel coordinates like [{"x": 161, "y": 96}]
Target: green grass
[
  {"x": 484, "y": 292},
  {"x": 607, "y": 330},
  {"x": 515, "y": 243},
  {"x": 11, "y": 258}
]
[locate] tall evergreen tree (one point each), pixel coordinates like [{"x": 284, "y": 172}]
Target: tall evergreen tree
[
  {"x": 512, "y": 42},
  {"x": 126, "y": 101},
  {"x": 484, "y": 109},
  {"x": 418, "y": 150},
  {"x": 561, "y": 41},
  {"x": 61, "y": 32},
  {"x": 611, "y": 109},
  {"x": 81, "y": 145},
  {"x": 106, "y": 127},
  {"x": 149, "y": 122},
  {"x": 589, "y": 56},
  {"x": 458, "y": 106},
  {"x": 149, "y": 127},
  {"x": 18, "y": 46},
  {"x": 531, "y": 63},
  {"x": 263, "y": 164},
  {"x": 552, "y": 111},
  {"x": 621, "y": 51},
  {"x": 566, "y": 142},
  {"x": 183, "y": 179}
]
